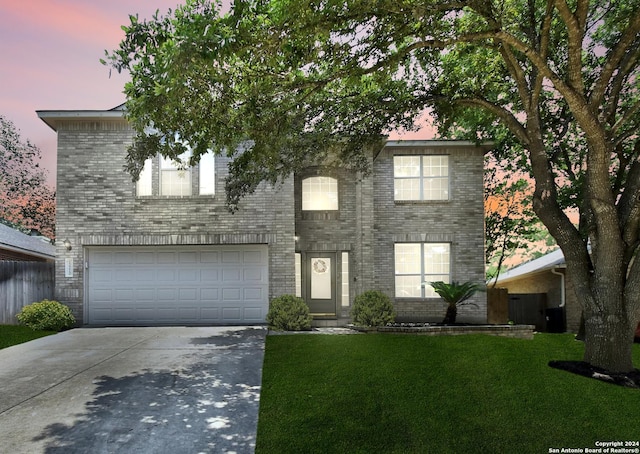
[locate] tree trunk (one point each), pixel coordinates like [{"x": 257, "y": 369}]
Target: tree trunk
[
  {"x": 450, "y": 316},
  {"x": 608, "y": 341}
]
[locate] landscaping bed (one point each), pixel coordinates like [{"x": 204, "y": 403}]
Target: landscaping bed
[{"x": 437, "y": 329}]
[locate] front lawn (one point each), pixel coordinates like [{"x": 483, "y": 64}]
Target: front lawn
[
  {"x": 390, "y": 393},
  {"x": 15, "y": 334}
]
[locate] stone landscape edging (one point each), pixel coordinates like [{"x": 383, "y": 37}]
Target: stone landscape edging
[{"x": 513, "y": 331}]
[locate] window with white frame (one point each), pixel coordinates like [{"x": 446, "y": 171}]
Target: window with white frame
[
  {"x": 421, "y": 177},
  {"x": 319, "y": 194},
  {"x": 417, "y": 264},
  {"x": 175, "y": 178}
]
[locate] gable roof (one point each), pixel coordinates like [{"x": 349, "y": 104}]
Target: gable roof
[
  {"x": 13, "y": 240},
  {"x": 547, "y": 262}
]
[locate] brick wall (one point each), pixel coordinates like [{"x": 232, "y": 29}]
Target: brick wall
[
  {"x": 97, "y": 205},
  {"x": 349, "y": 229},
  {"x": 458, "y": 221}
]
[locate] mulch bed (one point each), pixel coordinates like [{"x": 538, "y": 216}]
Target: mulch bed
[{"x": 628, "y": 380}]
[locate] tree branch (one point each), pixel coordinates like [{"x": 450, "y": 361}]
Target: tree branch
[
  {"x": 575, "y": 25},
  {"x": 614, "y": 59},
  {"x": 507, "y": 117}
]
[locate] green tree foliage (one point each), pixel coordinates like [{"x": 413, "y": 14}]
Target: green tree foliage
[
  {"x": 553, "y": 83},
  {"x": 512, "y": 229},
  {"x": 25, "y": 200}
]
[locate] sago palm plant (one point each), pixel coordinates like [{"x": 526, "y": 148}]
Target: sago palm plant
[{"x": 455, "y": 295}]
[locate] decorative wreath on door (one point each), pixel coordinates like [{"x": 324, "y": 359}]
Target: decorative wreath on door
[{"x": 320, "y": 266}]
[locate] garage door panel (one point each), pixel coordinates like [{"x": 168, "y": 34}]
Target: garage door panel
[
  {"x": 209, "y": 294},
  {"x": 124, "y": 258},
  {"x": 209, "y": 275},
  {"x": 103, "y": 294},
  {"x": 124, "y": 294},
  {"x": 231, "y": 294},
  {"x": 144, "y": 275},
  {"x": 250, "y": 257},
  {"x": 103, "y": 276},
  {"x": 189, "y": 275},
  {"x": 252, "y": 313},
  {"x": 231, "y": 275},
  {"x": 177, "y": 285},
  {"x": 167, "y": 294},
  {"x": 145, "y": 258},
  {"x": 253, "y": 274},
  {"x": 231, "y": 314},
  {"x": 231, "y": 257},
  {"x": 209, "y": 257},
  {"x": 252, "y": 294},
  {"x": 210, "y": 314},
  {"x": 166, "y": 275},
  {"x": 188, "y": 257},
  {"x": 187, "y": 294}
]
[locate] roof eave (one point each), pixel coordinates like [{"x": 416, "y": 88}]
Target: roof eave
[
  {"x": 41, "y": 255},
  {"x": 436, "y": 143},
  {"x": 54, "y": 117}
]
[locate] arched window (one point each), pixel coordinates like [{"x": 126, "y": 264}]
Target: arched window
[{"x": 319, "y": 194}]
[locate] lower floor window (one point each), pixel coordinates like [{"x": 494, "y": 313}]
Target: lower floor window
[{"x": 417, "y": 264}]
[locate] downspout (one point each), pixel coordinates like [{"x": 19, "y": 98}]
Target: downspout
[{"x": 562, "y": 294}]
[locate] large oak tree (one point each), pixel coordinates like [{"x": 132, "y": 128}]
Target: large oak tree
[
  {"x": 26, "y": 202},
  {"x": 554, "y": 83}
]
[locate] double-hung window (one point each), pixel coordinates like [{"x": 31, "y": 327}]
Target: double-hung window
[
  {"x": 421, "y": 177},
  {"x": 176, "y": 179},
  {"x": 417, "y": 264}
]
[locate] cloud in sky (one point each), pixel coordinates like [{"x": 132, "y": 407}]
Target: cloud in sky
[{"x": 50, "y": 54}]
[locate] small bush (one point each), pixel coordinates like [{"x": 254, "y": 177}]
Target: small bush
[
  {"x": 46, "y": 315},
  {"x": 289, "y": 313},
  {"x": 372, "y": 308}
]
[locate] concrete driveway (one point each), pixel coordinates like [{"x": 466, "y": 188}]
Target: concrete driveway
[{"x": 133, "y": 390}]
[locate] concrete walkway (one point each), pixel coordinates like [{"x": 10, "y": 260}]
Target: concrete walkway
[{"x": 133, "y": 390}]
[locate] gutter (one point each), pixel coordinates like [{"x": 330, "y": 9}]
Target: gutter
[{"x": 555, "y": 271}]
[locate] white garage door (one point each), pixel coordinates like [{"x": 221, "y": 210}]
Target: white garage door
[{"x": 204, "y": 285}]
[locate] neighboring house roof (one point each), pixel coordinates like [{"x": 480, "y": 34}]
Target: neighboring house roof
[
  {"x": 15, "y": 241},
  {"x": 548, "y": 261}
]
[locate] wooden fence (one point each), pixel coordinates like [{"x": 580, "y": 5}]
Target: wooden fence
[{"x": 23, "y": 283}]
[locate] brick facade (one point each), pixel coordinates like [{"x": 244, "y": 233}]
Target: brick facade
[
  {"x": 458, "y": 221},
  {"x": 98, "y": 206}
]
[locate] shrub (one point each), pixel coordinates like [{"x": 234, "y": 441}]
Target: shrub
[
  {"x": 289, "y": 313},
  {"x": 46, "y": 315},
  {"x": 372, "y": 308}
]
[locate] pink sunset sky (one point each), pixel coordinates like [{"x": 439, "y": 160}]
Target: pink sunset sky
[{"x": 50, "y": 52}]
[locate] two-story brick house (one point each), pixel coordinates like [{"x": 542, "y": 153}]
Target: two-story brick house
[{"x": 165, "y": 250}]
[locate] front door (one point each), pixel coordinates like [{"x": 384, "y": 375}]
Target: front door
[{"x": 320, "y": 286}]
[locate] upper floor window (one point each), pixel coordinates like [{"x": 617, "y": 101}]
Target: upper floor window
[
  {"x": 319, "y": 194},
  {"x": 417, "y": 264},
  {"x": 422, "y": 177},
  {"x": 175, "y": 179}
]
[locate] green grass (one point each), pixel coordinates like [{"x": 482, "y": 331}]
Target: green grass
[
  {"x": 380, "y": 393},
  {"x": 14, "y": 334}
]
